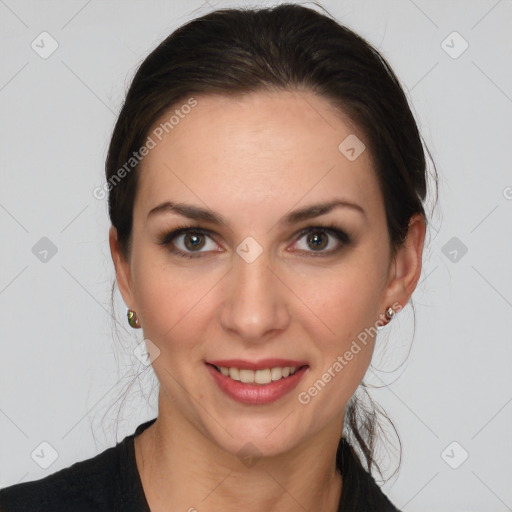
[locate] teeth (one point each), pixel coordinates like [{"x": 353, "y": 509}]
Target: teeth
[
  {"x": 234, "y": 373},
  {"x": 246, "y": 376},
  {"x": 265, "y": 376},
  {"x": 276, "y": 373},
  {"x": 262, "y": 377}
]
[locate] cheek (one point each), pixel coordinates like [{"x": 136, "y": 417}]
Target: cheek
[
  {"x": 342, "y": 338},
  {"x": 162, "y": 296},
  {"x": 175, "y": 302},
  {"x": 343, "y": 302},
  {"x": 345, "y": 305}
]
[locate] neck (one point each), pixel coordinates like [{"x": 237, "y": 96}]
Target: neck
[{"x": 181, "y": 469}]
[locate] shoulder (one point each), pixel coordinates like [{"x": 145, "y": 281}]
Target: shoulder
[
  {"x": 106, "y": 482},
  {"x": 84, "y": 486}
]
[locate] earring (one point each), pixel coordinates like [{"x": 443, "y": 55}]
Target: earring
[
  {"x": 390, "y": 313},
  {"x": 133, "y": 320}
]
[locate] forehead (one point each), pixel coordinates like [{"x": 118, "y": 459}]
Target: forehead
[{"x": 263, "y": 149}]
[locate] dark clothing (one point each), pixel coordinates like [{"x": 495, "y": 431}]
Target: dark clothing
[
  {"x": 107, "y": 482},
  {"x": 110, "y": 482}
]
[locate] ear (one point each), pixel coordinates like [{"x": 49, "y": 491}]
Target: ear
[
  {"x": 123, "y": 272},
  {"x": 405, "y": 269}
]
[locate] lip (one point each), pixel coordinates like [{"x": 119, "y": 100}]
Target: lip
[
  {"x": 257, "y": 365},
  {"x": 256, "y": 394}
]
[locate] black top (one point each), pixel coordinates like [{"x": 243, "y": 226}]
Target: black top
[{"x": 110, "y": 482}]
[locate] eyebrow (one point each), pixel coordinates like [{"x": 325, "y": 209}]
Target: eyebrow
[{"x": 198, "y": 213}]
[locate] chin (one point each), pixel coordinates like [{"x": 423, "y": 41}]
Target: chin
[{"x": 258, "y": 438}]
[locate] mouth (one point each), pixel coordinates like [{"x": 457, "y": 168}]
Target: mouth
[
  {"x": 257, "y": 383},
  {"x": 260, "y": 377}
]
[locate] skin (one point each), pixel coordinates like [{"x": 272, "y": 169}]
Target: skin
[{"x": 253, "y": 159}]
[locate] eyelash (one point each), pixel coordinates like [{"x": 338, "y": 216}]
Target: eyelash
[{"x": 328, "y": 228}]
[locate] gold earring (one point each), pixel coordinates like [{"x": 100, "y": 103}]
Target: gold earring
[
  {"x": 390, "y": 313},
  {"x": 133, "y": 320}
]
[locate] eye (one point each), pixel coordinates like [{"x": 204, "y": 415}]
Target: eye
[
  {"x": 322, "y": 240},
  {"x": 187, "y": 241}
]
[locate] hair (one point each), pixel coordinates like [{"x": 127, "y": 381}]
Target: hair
[{"x": 283, "y": 48}]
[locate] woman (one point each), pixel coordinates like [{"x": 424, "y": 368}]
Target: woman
[{"x": 266, "y": 181}]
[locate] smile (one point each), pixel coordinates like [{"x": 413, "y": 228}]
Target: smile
[{"x": 264, "y": 383}]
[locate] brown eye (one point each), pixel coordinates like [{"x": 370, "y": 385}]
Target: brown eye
[
  {"x": 193, "y": 240},
  {"x": 321, "y": 240},
  {"x": 317, "y": 240},
  {"x": 189, "y": 242}
]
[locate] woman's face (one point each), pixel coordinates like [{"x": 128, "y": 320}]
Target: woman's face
[{"x": 258, "y": 285}]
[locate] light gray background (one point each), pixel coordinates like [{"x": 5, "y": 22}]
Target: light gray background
[{"x": 64, "y": 371}]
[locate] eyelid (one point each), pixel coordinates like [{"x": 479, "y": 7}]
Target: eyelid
[
  {"x": 171, "y": 234},
  {"x": 328, "y": 228}
]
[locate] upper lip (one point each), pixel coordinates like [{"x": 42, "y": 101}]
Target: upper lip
[{"x": 262, "y": 364}]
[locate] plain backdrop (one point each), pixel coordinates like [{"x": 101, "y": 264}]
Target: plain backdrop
[{"x": 69, "y": 377}]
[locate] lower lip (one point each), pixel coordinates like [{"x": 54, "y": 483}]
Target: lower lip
[{"x": 256, "y": 394}]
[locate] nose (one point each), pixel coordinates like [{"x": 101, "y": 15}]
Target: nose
[{"x": 255, "y": 307}]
